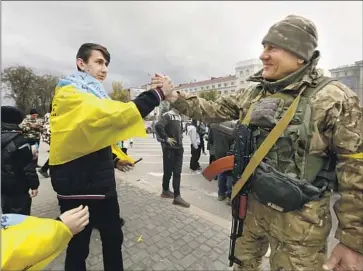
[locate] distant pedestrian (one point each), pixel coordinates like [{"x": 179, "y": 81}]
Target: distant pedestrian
[
  {"x": 169, "y": 132},
  {"x": 195, "y": 147}
]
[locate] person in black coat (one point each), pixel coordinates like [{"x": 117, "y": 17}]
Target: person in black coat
[{"x": 19, "y": 179}]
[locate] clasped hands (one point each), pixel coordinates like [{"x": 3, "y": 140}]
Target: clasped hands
[{"x": 164, "y": 83}]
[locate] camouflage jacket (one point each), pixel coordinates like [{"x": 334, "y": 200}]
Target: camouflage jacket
[
  {"x": 29, "y": 131},
  {"x": 46, "y": 129},
  {"x": 337, "y": 125}
]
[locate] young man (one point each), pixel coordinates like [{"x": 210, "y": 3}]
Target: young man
[
  {"x": 322, "y": 144},
  {"x": 85, "y": 123},
  {"x": 169, "y": 131},
  {"x": 19, "y": 180}
]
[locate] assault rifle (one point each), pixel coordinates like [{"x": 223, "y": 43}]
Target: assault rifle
[{"x": 237, "y": 161}]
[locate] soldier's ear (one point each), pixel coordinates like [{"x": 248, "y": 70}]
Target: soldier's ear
[{"x": 300, "y": 61}]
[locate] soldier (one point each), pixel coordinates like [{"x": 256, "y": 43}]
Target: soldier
[
  {"x": 32, "y": 126},
  {"x": 327, "y": 124}
]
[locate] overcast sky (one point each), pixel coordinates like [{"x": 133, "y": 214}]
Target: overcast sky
[{"x": 186, "y": 40}]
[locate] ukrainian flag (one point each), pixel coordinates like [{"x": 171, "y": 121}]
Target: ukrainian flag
[{"x": 81, "y": 123}]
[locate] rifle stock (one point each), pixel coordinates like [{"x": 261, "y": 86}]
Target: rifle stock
[{"x": 219, "y": 166}]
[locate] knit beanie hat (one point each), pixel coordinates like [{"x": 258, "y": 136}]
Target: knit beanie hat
[
  {"x": 295, "y": 34},
  {"x": 11, "y": 114},
  {"x": 33, "y": 111}
]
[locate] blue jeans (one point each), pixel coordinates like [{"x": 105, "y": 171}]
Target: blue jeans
[{"x": 224, "y": 185}]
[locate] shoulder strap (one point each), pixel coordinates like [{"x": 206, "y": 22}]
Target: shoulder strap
[
  {"x": 324, "y": 81},
  {"x": 267, "y": 144}
]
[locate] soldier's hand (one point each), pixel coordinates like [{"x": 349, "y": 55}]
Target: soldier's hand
[
  {"x": 76, "y": 219},
  {"x": 124, "y": 165},
  {"x": 172, "y": 97},
  {"x": 344, "y": 259},
  {"x": 171, "y": 141}
]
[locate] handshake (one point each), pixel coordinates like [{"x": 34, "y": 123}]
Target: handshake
[{"x": 164, "y": 83}]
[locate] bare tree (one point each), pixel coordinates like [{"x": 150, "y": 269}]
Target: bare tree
[
  {"x": 20, "y": 82},
  {"x": 29, "y": 90},
  {"x": 43, "y": 93}
]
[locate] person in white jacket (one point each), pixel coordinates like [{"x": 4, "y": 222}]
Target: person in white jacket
[
  {"x": 124, "y": 145},
  {"x": 195, "y": 146}
]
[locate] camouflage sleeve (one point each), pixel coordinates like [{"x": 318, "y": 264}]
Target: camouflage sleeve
[
  {"x": 338, "y": 123},
  {"x": 46, "y": 129},
  {"x": 224, "y": 108},
  {"x": 25, "y": 126}
]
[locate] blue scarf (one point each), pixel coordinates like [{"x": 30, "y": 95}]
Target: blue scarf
[{"x": 85, "y": 83}]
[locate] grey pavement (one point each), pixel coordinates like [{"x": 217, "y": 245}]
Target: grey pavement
[{"x": 157, "y": 234}]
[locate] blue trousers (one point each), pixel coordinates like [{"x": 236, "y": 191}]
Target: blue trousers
[{"x": 224, "y": 185}]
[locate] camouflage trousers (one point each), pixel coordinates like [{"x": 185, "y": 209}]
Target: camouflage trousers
[{"x": 298, "y": 239}]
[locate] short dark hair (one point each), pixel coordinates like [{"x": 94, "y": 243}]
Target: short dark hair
[{"x": 84, "y": 52}]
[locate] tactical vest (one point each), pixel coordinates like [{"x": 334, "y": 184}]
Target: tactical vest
[{"x": 290, "y": 154}]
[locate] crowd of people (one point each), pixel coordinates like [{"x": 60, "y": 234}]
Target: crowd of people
[{"x": 320, "y": 147}]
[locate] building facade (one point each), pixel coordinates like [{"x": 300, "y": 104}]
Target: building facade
[
  {"x": 223, "y": 85},
  {"x": 351, "y": 76},
  {"x": 245, "y": 69},
  {"x": 228, "y": 84}
]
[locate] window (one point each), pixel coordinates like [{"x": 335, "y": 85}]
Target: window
[
  {"x": 202, "y": 88},
  {"x": 213, "y": 86},
  {"x": 226, "y": 91},
  {"x": 247, "y": 71},
  {"x": 232, "y": 83},
  {"x": 242, "y": 82},
  {"x": 225, "y": 84},
  {"x": 241, "y": 73},
  {"x": 219, "y": 85},
  {"x": 220, "y": 92},
  {"x": 207, "y": 87}
]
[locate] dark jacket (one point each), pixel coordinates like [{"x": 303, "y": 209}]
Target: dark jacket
[
  {"x": 221, "y": 142},
  {"x": 94, "y": 174},
  {"x": 18, "y": 172},
  {"x": 170, "y": 126}
]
